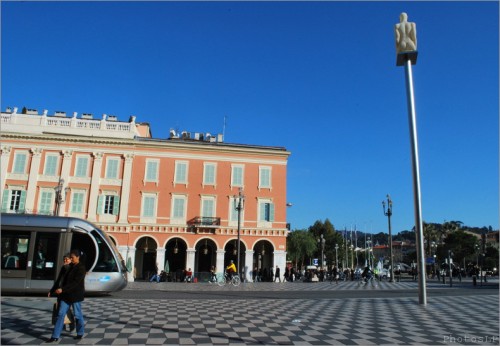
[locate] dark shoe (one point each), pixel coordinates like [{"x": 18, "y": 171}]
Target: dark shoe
[
  {"x": 78, "y": 337},
  {"x": 52, "y": 340}
]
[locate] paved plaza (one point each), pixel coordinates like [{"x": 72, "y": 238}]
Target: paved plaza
[{"x": 446, "y": 320}]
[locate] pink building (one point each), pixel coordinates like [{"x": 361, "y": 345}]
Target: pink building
[{"x": 169, "y": 202}]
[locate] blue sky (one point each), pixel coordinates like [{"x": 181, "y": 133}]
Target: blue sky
[{"x": 317, "y": 78}]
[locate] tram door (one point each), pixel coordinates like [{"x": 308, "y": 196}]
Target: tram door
[{"x": 44, "y": 260}]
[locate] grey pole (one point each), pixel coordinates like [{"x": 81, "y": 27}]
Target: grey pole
[
  {"x": 406, "y": 48},
  {"x": 239, "y": 207}
]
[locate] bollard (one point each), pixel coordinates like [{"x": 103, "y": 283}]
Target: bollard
[{"x": 474, "y": 280}]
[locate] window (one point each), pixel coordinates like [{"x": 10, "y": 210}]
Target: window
[
  {"x": 20, "y": 163},
  {"x": 265, "y": 177},
  {"x": 112, "y": 168},
  {"x": 46, "y": 200},
  {"x": 15, "y": 245},
  {"x": 266, "y": 212},
  {"x": 13, "y": 201},
  {"x": 51, "y": 162},
  {"x": 148, "y": 205},
  {"x": 152, "y": 170},
  {"x": 77, "y": 202},
  {"x": 209, "y": 173},
  {"x": 178, "y": 213},
  {"x": 81, "y": 166},
  {"x": 181, "y": 172},
  {"x": 207, "y": 207},
  {"x": 233, "y": 213},
  {"x": 237, "y": 175},
  {"x": 108, "y": 204}
]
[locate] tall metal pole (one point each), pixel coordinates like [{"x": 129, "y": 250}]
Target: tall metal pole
[
  {"x": 388, "y": 213},
  {"x": 406, "y": 48},
  {"x": 239, "y": 207}
]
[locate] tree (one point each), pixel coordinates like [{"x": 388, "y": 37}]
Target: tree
[
  {"x": 462, "y": 245},
  {"x": 300, "y": 244}
]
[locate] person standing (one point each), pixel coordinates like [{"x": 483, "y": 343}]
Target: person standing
[
  {"x": 58, "y": 283},
  {"x": 71, "y": 294},
  {"x": 277, "y": 274}
]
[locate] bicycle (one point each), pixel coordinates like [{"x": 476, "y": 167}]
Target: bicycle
[
  {"x": 368, "y": 280},
  {"x": 225, "y": 278}
]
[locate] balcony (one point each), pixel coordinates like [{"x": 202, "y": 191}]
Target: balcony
[{"x": 204, "y": 224}]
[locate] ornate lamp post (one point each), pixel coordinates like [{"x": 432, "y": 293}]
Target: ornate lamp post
[
  {"x": 368, "y": 250},
  {"x": 433, "y": 250},
  {"x": 388, "y": 213},
  {"x": 336, "y": 256},
  {"x": 239, "y": 202},
  {"x": 321, "y": 243},
  {"x": 352, "y": 255},
  {"x": 59, "y": 195}
]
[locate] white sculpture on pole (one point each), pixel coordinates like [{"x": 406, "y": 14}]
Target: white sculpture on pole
[
  {"x": 406, "y": 41},
  {"x": 406, "y": 35}
]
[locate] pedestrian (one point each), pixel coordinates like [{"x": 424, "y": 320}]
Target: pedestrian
[
  {"x": 254, "y": 274},
  {"x": 213, "y": 277},
  {"x": 277, "y": 274},
  {"x": 155, "y": 276},
  {"x": 58, "y": 284},
  {"x": 71, "y": 295}
]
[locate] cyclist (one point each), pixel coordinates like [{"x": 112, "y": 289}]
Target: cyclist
[
  {"x": 231, "y": 269},
  {"x": 367, "y": 274}
]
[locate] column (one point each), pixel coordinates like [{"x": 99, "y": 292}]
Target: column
[
  {"x": 65, "y": 171},
  {"x": 94, "y": 186},
  {"x": 190, "y": 256},
  {"x": 131, "y": 258},
  {"x": 248, "y": 265},
  {"x": 220, "y": 267},
  {"x": 280, "y": 260},
  {"x": 4, "y": 165},
  {"x": 160, "y": 258},
  {"x": 126, "y": 182},
  {"x": 33, "y": 179}
]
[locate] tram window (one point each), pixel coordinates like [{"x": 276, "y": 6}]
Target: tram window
[
  {"x": 15, "y": 247},
  {"x": 84, "y": 243},
  {"x": 45, "y": 256},
  {"x": 106, "y": 261}
]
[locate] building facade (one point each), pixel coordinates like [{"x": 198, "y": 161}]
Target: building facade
[{"x": 171, "y": 203}]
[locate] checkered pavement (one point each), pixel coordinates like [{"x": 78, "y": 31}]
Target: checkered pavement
[{"x": 448, "y": 320}]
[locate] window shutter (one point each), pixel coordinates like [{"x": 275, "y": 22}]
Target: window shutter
[
  {"x": 5, "y": 200},
  {"x": 271, "y": 212},
  {"x": 22, "y": 202},
  {"x": 99, "y": 205},
  {"x": 116, "y": 205}
]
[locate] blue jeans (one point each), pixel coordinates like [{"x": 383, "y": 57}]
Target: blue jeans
[{"x": 63, "y": 310}]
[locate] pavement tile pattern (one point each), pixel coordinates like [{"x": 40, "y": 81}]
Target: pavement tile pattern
[{"x": 446, "y": 320}]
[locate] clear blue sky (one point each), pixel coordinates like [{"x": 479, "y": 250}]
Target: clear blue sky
[{"x": 318, "y": 78}]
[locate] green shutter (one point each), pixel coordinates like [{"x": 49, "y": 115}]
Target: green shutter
[
  {"x": 99, "y": 205},
  {"x": 271, "y": 212},
  {"x": 22, "y": 202},
  {"x": 116, "y": 205},
  {"x": 5, "y": 200}
]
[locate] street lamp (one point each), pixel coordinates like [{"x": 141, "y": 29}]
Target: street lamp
[
  {"x": 336, "y": 256},
  {"x": 239, "y": 202},
  {"x": 59, "y": 196},
  {"x": 433, "y": 250},
  {"x": 388, "y": 213},
  {"x": 321, "y": 242},
  {"x": 352, "y": 255},
  {"x": 368, "y": 246}
]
